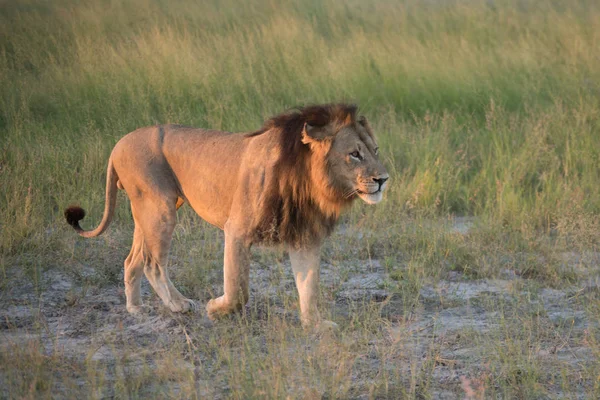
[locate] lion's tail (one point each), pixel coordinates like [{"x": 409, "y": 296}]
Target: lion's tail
[{"x": 74, "y": 214}]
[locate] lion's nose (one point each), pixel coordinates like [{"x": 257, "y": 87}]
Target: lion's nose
[{"x": 381, "y": 181}]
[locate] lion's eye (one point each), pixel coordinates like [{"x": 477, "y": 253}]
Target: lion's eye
[
  {"x": 356, "y": 154},
  {"x": 376, "y": 150}
]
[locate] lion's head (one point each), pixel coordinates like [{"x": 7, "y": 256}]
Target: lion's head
[
  {"x": 328, "y": 157},
  {"x": 349, "y": 154}
]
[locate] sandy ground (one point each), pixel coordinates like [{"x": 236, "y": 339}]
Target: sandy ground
[{"x": 451, "y": 320}]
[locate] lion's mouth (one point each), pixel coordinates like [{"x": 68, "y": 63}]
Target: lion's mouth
[
  {"x": 368, "y": 193},
  {"x": 370, "y": 197}
]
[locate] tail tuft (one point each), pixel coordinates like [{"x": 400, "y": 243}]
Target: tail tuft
[{"x": 74, "y": 214}]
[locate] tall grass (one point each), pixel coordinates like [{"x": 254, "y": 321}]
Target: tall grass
[{"x": 485, "y": 108}]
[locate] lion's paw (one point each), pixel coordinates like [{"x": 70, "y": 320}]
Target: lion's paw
[
  {"x": 182, "y": 305},
  {"x": 217, "y": 308},
  {"x": 214, "y": 309},
  {"x": 141, "y": 309},
  {"x": 321, "y": 327},
  {"x": 325, "y": 326}
]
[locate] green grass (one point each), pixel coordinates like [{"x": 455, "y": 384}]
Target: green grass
[
  {"x": 487, "y": 109},
  {"x": 482, "y": 110}
]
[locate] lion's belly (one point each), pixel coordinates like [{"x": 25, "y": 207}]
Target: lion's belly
[{"x": 214, "y": 214}]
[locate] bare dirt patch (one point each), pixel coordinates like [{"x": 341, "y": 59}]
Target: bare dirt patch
[{"x": 397, "y": 339}]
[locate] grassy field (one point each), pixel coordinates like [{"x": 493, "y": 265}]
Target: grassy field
[{"x": 478, "y": 275}]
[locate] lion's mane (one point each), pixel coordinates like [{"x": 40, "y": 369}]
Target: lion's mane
[{"x": 301, "y": 205}]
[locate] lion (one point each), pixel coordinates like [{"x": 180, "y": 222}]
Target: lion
[{"x": 286, "y": 183}]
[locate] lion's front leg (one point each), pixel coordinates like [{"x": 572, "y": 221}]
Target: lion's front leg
[
  {"x": 236, "y": 274},
  {"x": 306, "y": 266}
]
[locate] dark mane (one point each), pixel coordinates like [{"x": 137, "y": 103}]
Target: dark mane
[
  {"x": 291, "y": 123},
  {"x": 293, "y": 213},
  {"x": 316, "y": 115}
]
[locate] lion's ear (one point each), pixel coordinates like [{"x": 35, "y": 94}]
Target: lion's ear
[
  {"x": 311, "y": 133},
  {"x": 363, "y": 121}
]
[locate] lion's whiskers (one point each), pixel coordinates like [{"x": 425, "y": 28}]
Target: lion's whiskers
[{"x": 350, "y": 193}]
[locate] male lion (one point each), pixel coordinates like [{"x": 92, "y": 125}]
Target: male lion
[{"x": 285, "y": 183}]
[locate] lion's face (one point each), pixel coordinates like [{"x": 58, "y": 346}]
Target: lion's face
[{"x": 352, "y": 161}]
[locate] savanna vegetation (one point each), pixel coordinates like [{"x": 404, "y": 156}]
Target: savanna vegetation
[{"x": 485, "y": 251}]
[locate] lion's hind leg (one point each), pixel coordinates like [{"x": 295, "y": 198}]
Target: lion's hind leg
[
  {"x": 155, "y": 220},
  {"x": 134, "y": 267}
]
